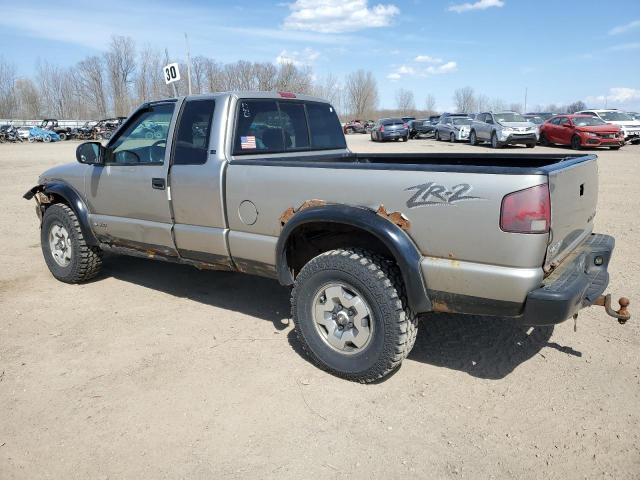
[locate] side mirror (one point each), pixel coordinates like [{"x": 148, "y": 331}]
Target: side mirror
[{"x": 90, "y": 153}]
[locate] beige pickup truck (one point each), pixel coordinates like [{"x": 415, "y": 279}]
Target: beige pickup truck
[{"x": 262, "y": 183}]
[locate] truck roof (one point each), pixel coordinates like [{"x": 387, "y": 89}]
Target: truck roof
[{"x": 260, "y": 94}]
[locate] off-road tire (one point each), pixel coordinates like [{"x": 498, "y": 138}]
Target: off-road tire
[
  {"x": 86, "y": 260},
  {"x": 380, "y": 283}
]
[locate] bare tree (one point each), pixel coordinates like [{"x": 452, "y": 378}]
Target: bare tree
[
  {"x": 8, "y": 103},
  {"x": 497, "y": 104},
  {"x": 55, "y": 90},
  {"x": 464, "y": 100},
  {"x": 28, "y": 98},
  {"x": 214, "y": 76},
  {"x": 330, "y": 90},
  {"x": 482, "y": 103},
  {"x": 361, "y": 90},
  {"x": 121, "y": 64},
  {"x": 294, "y": 79},
  {"x": 266, "y": 76},
  {"x": 430, "y": 104},
  {"x": 199, "y": 74},
  {"x": 516, "y": 107},
  {"x": 405, "y": 100},
  {"x": 576, "y": 106},
  {"x": 89, "y": 77}
]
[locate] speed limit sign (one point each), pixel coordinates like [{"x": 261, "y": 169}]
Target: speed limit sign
[{"x": 171, "y": 73}]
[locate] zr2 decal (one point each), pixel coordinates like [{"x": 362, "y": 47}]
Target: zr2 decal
[{"x": 431, "y": 193}]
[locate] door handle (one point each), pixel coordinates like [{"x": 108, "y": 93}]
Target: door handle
[{"x": 158, "y": 183}]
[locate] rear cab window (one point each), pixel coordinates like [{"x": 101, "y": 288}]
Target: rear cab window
[{"x": 285, "y": 126}]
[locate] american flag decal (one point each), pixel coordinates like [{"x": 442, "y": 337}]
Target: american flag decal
[{"x": 248, "y": 142}]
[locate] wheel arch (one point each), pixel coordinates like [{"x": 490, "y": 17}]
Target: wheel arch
[
  {"x": 322, "y": 228},
  {"x": 62, "y": 192}
]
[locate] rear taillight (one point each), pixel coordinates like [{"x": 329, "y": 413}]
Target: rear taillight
[
  {"x": 287, "y": 94},
  {"x": 382, "y": 128},
  {"x": 405, "y": 125},
  {"x": 527, "y": 211}
]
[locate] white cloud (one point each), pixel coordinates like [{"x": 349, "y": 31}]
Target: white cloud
[
  {"x": 336, "y": 16},
  {"x": 625, "y": 46},
  {"x": 298, "y": 58},
  {"x": 427, "y": 59},
  {"x": 617, "y": 95},
  {"x": 479, "y": 5},
  {"x": 625, "y": 28},
  {"x": 438, "y": 67}
]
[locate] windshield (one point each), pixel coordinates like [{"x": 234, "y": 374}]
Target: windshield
[
  {"x": 509, "y": 117},
  {"x": 462, "y": 121},
  {"x": 614, "y": 116},
  {"x": 536, "y": 120},
  {"x": 587, "y": 121}
]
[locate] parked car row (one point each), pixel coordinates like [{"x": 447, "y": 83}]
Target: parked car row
[
  {"x": 589, "y": 128},
  {"x": 50, "y": 129}
]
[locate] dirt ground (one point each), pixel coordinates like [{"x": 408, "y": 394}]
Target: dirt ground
[{"x": 159, "y": 371}]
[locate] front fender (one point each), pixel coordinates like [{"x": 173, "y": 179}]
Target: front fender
[
  {"x": 404, "y": 251},
  {"x": 72, "y": 198}
]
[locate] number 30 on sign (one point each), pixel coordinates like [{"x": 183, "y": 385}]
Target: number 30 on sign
[{"x": 171, "y": 73}]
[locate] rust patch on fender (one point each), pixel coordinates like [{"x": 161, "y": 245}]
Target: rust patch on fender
[
  {"x": 440, "y": 306},
  {"x": 397, "y": 218},
  {"x": 290, "y": 212}
]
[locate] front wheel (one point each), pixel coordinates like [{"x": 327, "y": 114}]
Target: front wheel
[
  {"x": 63, "y": 136},
  {"x": 576, "y": 144},
  {"x": 473, "y": 139},
  {"x": 544, "y": 141},
  {"x": 494, "y": 141},
  {"x": 452, "y": 137},
  {"x": 614, "y": 148},
  {"x": 65, "y": 250},
  {"x": 531, "y": 145},
  {"x": 437, "y": 135},
  {"x": 350, "y": 313}
]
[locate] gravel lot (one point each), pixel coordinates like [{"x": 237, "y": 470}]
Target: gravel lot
[{"x": 158, "y": 371}]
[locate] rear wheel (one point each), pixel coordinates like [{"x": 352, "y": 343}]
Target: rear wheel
[
  {"x": 372, "y": 137},
  {"x": 349, "y": 131},
  {"x": 63, "y": 136},
  {"x": 437, "y": 135},
  {"x": 350, "y": 313},
  {"x": 531, "y": 145},
  {"x": 614, "y": 148},
  {"x": 405, "y": 138},
  {"x": 576, "y": 143},
  {"x": 473, "y": 139},
  {"x": 65, "y": 250}
]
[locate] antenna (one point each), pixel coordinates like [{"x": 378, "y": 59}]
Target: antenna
[{"x": 186, "y": 40}]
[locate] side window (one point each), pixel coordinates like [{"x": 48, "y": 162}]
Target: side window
[
  {"x": 192, "y": 140},
  {"x": 144, "y": 139},
  {"x": 294, "y": 125},
  {"x": 258, "y": 128},
  {"x": 324, "y": 126},
  {"x": 488, "y": 118},
  {"x": 564, "y": 121},
  {"x": 555, "y": 121}
]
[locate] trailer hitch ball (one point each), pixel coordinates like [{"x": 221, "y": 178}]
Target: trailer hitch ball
[{"x": 622, "y": 314}]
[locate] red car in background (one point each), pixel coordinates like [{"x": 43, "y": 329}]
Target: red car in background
[{"x": 580, "y": 131}]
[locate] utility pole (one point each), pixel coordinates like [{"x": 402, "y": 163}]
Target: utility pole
[
  {"x": 166, "y": 59},
  {"x": 186, "y": 39}
]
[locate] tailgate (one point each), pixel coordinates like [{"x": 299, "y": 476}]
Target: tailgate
[{"x": 574, "y": 195}]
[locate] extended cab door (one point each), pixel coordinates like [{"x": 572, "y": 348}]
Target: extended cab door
[
  {"x": 128, "y": 194},
  {"x": 196, "y": 181}
]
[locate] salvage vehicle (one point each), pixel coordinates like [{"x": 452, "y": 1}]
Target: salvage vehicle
[
  {"x": 581, "y": 131},
  {"x": 503, "y": 128},
  {"x": 453, "y": 128},
  {"x": 390, "y": 129},
  {"x": 354, "y": 126},
  {"x": 105, "y": 128},
  {"x": 85, "y": 132},
  {"x": 630, "y": 127},
  {"x": 52, "y": 125},
  {"x": 271, "y": 189},
  {"x": 422, "y": 126}
]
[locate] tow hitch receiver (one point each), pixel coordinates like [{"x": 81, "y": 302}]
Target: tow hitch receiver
[{"x": 622, "y": 314}]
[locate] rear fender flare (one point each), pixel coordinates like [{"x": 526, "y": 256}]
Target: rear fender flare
[{"x": 401, "y": 246}]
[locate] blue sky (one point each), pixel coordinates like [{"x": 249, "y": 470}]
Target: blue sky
[{"x": 561, "y": 51}]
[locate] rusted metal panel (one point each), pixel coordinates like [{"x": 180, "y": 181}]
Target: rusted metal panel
[{"x": 397, "y": 218}]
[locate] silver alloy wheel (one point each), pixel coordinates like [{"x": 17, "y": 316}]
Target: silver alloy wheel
[
  {"x": 342, "y": 318},
  {"x": 60, "y": 244}
]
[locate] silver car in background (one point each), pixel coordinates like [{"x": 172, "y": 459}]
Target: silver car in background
[
  {"x": 453, "y": 128},
  {"x": 503, "y": 128}
]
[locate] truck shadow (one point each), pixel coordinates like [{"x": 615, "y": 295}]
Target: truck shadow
[{"x": 484, "y": 347}]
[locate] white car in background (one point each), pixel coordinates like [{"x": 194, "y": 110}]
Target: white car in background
[{"x": 628, "y": 124}]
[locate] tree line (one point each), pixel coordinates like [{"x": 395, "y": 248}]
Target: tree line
[{"x": 115, "y": 82}]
